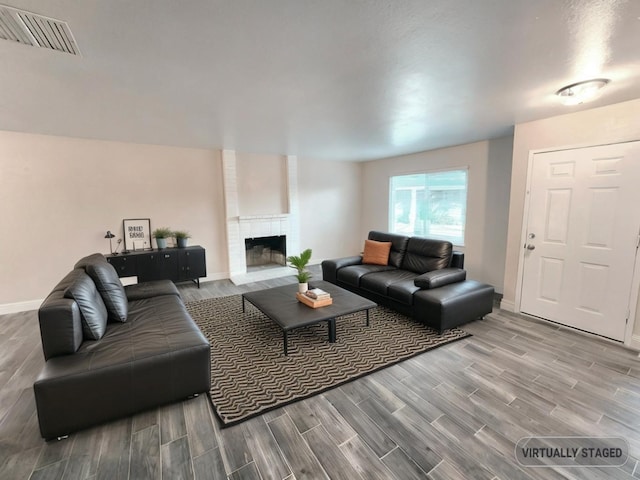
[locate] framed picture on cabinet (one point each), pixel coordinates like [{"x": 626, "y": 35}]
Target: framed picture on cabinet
[{"x": 137, "y": 234}]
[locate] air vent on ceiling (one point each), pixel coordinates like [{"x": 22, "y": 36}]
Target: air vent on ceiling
[{"x": 36, "y": 30}]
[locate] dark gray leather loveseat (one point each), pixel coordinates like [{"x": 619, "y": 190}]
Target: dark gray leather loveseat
[
  {"x": 112, "y": 351},
  {"x": 424, "y": 279}
]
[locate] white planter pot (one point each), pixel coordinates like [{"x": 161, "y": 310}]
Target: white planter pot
[{"x": 303, "y": 287}]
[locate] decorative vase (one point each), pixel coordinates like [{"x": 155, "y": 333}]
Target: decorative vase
[
  {"x": 162, "y": 243},
  {"x": 303, "y": 287},
  {"x": 182, "y": 242}
]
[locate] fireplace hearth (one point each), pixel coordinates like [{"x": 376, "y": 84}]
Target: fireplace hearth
[{"x": 264, "y": 252}]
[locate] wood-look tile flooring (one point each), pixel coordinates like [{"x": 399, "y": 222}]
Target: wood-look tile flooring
[{"x": 452, "y": 413}]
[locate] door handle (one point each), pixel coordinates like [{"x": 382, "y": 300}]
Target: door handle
[{"x": 530, "y": 247}]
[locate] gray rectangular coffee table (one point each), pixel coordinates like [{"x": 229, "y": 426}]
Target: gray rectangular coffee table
[{"x": 281, "y": 305}]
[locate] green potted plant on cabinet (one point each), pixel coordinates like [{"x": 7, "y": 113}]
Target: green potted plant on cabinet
[
  {"x": 161, "y": 235},
  {"x": 299, "y": 262},
  {"x": 181, "y": 237}
]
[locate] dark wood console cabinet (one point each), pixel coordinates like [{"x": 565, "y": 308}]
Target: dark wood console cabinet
[{"x": 175, "y": 264}]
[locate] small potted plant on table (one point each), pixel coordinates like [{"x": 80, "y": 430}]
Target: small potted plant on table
[
  {"x": 181, "y": 237},
  {"x": 161, "y": 235},
  {"x": 299, "y": 262}
]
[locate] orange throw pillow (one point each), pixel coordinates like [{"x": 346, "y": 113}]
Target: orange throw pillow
[{"x": 376, "y": 253}]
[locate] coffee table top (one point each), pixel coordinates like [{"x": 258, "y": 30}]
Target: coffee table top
[{"x": 281, "y": 305}]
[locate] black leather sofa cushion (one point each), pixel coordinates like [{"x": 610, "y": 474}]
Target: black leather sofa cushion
[
  {"x": 403, "y": 291},
  {"x": 379, "y": 282},
  {"x": 158, "y": 325},
  {"x": 110, "y": 287},
  {"x": 438, "y": 278},
  {"x": 93, "y": 311},
  {"x": 398, "y": 245},
  {"x": 139, "y": 291},
  {"x": 351, "y": 275},
  {"x": 158, "y": 356},
  {"x": 444, "y": 307},
  {"x": 425, "y": 254}
]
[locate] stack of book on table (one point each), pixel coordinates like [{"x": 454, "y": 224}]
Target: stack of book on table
[
  {"x": 317, "y": 294},
  {"x": 315, "y": 297}
]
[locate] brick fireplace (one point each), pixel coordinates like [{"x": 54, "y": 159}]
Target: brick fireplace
[
  {"x": 265, "y": 252},
  {"x": 243, "y": 227}
]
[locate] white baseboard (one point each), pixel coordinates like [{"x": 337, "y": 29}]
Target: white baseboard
[
  {"x": 215, "y": 276},
  {"x": 508, "y": 305},
  {"x": 635, "y": 342},
  {"x": 20, "y": 306}
]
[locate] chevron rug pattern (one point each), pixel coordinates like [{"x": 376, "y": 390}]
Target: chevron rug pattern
[{"x": 250, "y": 375}]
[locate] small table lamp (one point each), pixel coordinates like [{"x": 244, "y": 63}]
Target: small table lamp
[{"x": 110, "y": 235}]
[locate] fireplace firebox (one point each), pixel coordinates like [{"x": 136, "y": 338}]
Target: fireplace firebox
[{"x": 263, "y": 252}]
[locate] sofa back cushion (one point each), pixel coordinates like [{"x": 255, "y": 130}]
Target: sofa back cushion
[
  {"x": 425, "y": 254},
  {"x": 398, "y": 245},
  {"x": 111, "y": 289},
  {"x": 89, "y": 259},
  {"x": 93, "y": 311},
  {"x": 108, "y": 284}
]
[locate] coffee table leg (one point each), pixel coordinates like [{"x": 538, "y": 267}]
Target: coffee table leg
[
  {"x": 367, "y": 317},
  {"x": 243, "y": 304},
  {"x": 331, "y": 323},
  {"x": 286, "y": 341}
]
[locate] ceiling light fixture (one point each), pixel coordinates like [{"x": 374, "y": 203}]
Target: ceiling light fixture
[{"x": 581, "y": 92}]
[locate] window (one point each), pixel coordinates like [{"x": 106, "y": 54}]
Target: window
[{"x": 430, "y": 205}]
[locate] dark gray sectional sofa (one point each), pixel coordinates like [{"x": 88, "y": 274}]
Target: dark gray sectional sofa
[
  {"x": 424, "y": 279},
  {"x": 112, "y": 351}
]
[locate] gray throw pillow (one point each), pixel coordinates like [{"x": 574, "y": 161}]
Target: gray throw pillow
[
  {"x": 110, "y": 288},
  {"x": 92, "y": 308}
]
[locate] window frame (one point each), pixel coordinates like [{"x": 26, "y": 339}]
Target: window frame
[{"x": 391, "y": 216}]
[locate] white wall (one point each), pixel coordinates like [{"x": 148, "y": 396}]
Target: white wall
[
  {"x": 330, "y": 208},
  {"x": 610, "y": 124},
  {"x": 59, "y": 196},
  {"x": 489, "y": 164},
  {"x": 262, "y": 186}
]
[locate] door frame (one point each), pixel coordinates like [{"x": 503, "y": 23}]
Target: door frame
[{"x": 629, "y": 341}]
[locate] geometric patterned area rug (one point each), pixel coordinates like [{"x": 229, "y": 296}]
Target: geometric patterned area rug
[{"x": 250, "y": 374}]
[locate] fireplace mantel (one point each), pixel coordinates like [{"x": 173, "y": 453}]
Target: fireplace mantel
[{"x": 251, "y": 218}]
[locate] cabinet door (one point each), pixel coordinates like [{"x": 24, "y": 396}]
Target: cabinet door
[
  {"x": 161, "y": 265},
  {"x": 192, "y": 263},
  {"x": 125, "y": 266}
]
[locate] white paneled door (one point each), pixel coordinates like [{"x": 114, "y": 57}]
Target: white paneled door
[{"x": 582, "y": 237}]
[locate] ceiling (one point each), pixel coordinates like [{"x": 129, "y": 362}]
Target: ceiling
[{"x": 322, "y": 79}]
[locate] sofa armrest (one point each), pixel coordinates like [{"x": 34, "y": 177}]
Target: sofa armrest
[
  {"x": 438, "y": 278},
  {"x": 330, "y": 267},
  {"x": 457, "y": 259},
  {"x": 60, "y": 326},
  {"x": 140, "y": 291}
]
